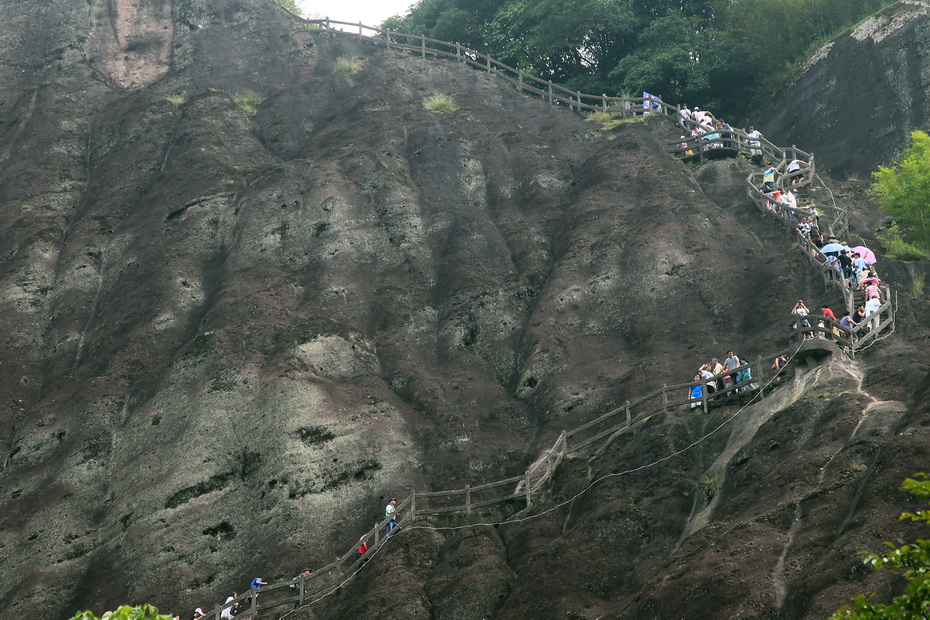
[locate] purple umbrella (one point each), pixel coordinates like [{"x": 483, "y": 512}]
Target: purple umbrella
[{"x": 866, "y": 254}]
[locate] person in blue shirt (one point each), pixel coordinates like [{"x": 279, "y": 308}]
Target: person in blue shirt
[{"x": 696, "y": 391}]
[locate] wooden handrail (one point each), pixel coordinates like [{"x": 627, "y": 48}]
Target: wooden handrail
[{"x": 408, "y": 508}]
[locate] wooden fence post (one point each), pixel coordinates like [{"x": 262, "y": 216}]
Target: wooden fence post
[
  {"x": 665, "y": 397},
  {"x": 377, "y": 529},
  {"x": 423, "y": 45},
  {"x": 254, "y": 604},
  {"x": 550, "y": 91},
  {"x": 468, "y": 499},
  {"x": 360, "y": 29},
  {"x": 488, "y": 63},
  {"x": 603, "y": 102},
  {"x": 520, "y": 80},
  {"x": 629, "y": 420},
  {"x": 704, "y": 395},
  {"x": 578, "y": 96},
  {"x": 458, "y": 51},
  {"x": 387, "y": 40},
  {"x": 413, "y": 503},
  {"x": 529, "y": 489}
]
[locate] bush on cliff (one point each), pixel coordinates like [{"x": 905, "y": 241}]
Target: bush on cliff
[
  {"x": 913, "y": 559},
  {"x": 903, "y": 191}
]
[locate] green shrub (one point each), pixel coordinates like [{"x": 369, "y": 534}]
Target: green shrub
[
  {"x": 912, "y": 560},
  {"x": 248, "y": 101},
  {"x": 291, "y": 6},
  {"x": 175, "y": 100},
  {"x": 440, "y": 104},
  {"x": 308, "y": 127},
  {"x": 896, "y": 247},
  {"x": 903, "y": 191},
  {"x": 27, "y": 207},
  {"x": 143, "y": 612},
  {"x": 347, "y": 66}
]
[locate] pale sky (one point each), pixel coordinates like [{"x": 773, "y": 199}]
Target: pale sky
[{"x": 369, "y": 12}]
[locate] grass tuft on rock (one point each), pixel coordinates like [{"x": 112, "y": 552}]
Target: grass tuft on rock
[
  {"x": 249, "y": 102},
  {"x": 440, "y": 104},
  {"x": 609, "y": 120},
  {"x": 346, "y": 65},
  {"x": 175, "y": 100}
]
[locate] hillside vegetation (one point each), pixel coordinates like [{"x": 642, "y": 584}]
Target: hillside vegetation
[{"x": 715, "y": 53}]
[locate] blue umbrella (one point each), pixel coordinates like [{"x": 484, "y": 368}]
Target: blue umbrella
[{"x": 832, "y": 248}]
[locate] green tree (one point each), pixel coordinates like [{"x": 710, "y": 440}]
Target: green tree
[
  {"x": 674, "y": 57},
  {"x": 903, "y": 191},
  {"x": 142, "y": 612},
  {"x": 717, "y": 53},
  {"x": 913, "y": 559},
  {"x": 290, "y": 5}
]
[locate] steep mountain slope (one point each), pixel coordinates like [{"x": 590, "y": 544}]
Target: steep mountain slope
[
  {"x": 859, "y": 97},
  {"x": 231, "y": 337}
]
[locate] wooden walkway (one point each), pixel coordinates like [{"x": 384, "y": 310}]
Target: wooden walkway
[{"x": 520, "y": 492}]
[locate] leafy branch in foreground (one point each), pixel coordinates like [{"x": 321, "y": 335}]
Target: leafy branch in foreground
[
  {"x": 913, "y": 559},
  {"x": 142, "y": 612}
]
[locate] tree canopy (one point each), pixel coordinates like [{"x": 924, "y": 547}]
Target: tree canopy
[
  {"x": 710, "y": 52},
  {"x": 913, "y": 559}
]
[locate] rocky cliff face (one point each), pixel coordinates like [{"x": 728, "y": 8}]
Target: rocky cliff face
[
  {"x": 231, "y": 335},
  {"x": 859, "y": 97}
]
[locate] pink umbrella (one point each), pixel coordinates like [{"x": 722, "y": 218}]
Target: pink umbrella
[{"x": 866, "y": 253}]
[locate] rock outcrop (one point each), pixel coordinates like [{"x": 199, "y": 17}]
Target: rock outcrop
[
  {"x": 247, "y": 298},
  {"x": 857, "y": 99}
]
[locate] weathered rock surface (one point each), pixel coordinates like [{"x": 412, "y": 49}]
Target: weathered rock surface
[
  {"x": 861, "y": 95},
  {"x": 230, "y": 337}
]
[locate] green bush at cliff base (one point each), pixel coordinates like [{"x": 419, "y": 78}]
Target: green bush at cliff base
[
  {"x": 903, "y": 191},
  {"x": 142, "y": 612},
  {"x": 913, "y": 559}
]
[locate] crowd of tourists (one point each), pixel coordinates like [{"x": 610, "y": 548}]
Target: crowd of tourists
[
  {"x": 714, "y": 376},
  {"x": 855, "y": 266}
]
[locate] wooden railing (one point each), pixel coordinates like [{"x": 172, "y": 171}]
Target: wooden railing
[
  {"x": 832, "y": 278},
  {"x": 521, "y": 490},
  {"x": 524, "y": 82},
  {"x": 738, "y": 142}
]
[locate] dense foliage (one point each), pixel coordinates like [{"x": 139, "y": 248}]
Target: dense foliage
[
  {"x": 913, "y": 559},
  {"x": 903, "y": 191},
  {"x": 714, "y": 53},
  {"x": 143, "y": 612}
]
